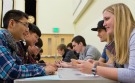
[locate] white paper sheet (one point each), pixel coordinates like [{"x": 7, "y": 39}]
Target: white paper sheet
[{"x": 49, "y": 77}]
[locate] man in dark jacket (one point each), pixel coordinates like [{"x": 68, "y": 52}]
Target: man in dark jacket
[{"x": 67, "y": 54}]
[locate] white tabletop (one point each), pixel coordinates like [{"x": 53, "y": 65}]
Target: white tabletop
[{"x": 64, "y": 75}]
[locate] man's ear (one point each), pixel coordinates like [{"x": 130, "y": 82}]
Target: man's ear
[{"x": 11, "y": 23}]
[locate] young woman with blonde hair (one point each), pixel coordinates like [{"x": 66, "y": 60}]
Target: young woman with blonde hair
[{"x": 119, "y": 22}]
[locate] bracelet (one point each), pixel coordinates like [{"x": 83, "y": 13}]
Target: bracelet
[{"x": 94, "y": 69}]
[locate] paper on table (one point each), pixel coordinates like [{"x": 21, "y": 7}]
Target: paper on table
[
  {"x": 50, "y": 77},
  {"x": 87, "y": 75}
]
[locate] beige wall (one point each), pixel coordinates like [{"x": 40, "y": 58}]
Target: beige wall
[
  {"x": 59, "y": 13},
  {"x": 50, "y": 14},
  {"x": 51, "y": 41},
  {"x": 90, "y": 18},
  {"x": 19, "y": 5},
  {"x": 55, "y": 13}
]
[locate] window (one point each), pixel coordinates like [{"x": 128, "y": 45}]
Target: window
[{"x": 6, "y": 6}]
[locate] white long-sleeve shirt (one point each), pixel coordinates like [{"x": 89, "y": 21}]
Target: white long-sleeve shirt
[{"x": 127, "y": 74}]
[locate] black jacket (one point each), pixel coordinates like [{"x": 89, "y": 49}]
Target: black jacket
[{"x": 68, "y": 55}]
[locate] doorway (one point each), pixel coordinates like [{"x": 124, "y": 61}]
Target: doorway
[{"x": 30, "y": 8}]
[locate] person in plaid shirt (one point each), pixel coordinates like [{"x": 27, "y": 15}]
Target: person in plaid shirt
[{"x": 15, "y": 28}]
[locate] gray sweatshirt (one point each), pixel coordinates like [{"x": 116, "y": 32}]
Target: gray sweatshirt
[
  {"x": 127, "y": 74},
  {"x": 90, "y": 52}
]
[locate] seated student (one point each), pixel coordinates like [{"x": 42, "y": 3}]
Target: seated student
[
  {"x": 15, "y": 27},
  {"x": 85, "y": 51},
  {"x": 104, "y": 37},
  {"x": 70, "y": 47},
  {"x": 30, "y": 39},
  {"x": 102, "y": 34},
  {"x": 38, "y": 56},
  {"x": 66, "y": 54},
  {"x": 118, "y": 19},
  {"x": 107, "y": 54},
  {"x": 33, "y": 51}
]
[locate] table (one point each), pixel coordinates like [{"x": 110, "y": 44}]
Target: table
[{"x": 66, "y": 75}]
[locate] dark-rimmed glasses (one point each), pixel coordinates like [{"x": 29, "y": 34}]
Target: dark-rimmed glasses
[{"x": 24, "y": 24}]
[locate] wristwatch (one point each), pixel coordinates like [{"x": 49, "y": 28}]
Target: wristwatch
[{"x": 94, "y": 69}]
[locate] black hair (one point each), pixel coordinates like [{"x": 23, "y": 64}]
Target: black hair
[
  {"x": 79, "y": 39},
  {"x": 13, "y": 14},
  {"x": 38, "y": 57},
  {"x": 41, "y": 51},
  {"x": 70, "y": 45},
  {"x": 34, "y": 29},
  {"x": 39, "y": 43}
]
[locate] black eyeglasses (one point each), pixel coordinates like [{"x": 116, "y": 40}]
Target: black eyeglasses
[{"x": 25, "y": 24}]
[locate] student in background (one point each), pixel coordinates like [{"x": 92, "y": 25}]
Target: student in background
[
  {"x": 102, "y": 34},
  {"x": 33, "y": 52},
  {"x": 118, "y": 19},
  {"x": 66, "y": 54},
  {"x": 15, "y": 28},
  {"x": 38, "y": 57},
  {"x": 30, "y": 39},
  {"x": 107, "y": 54},
  {"x": 85, "y": 51},
  {"x": 70, "y": 47}
]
